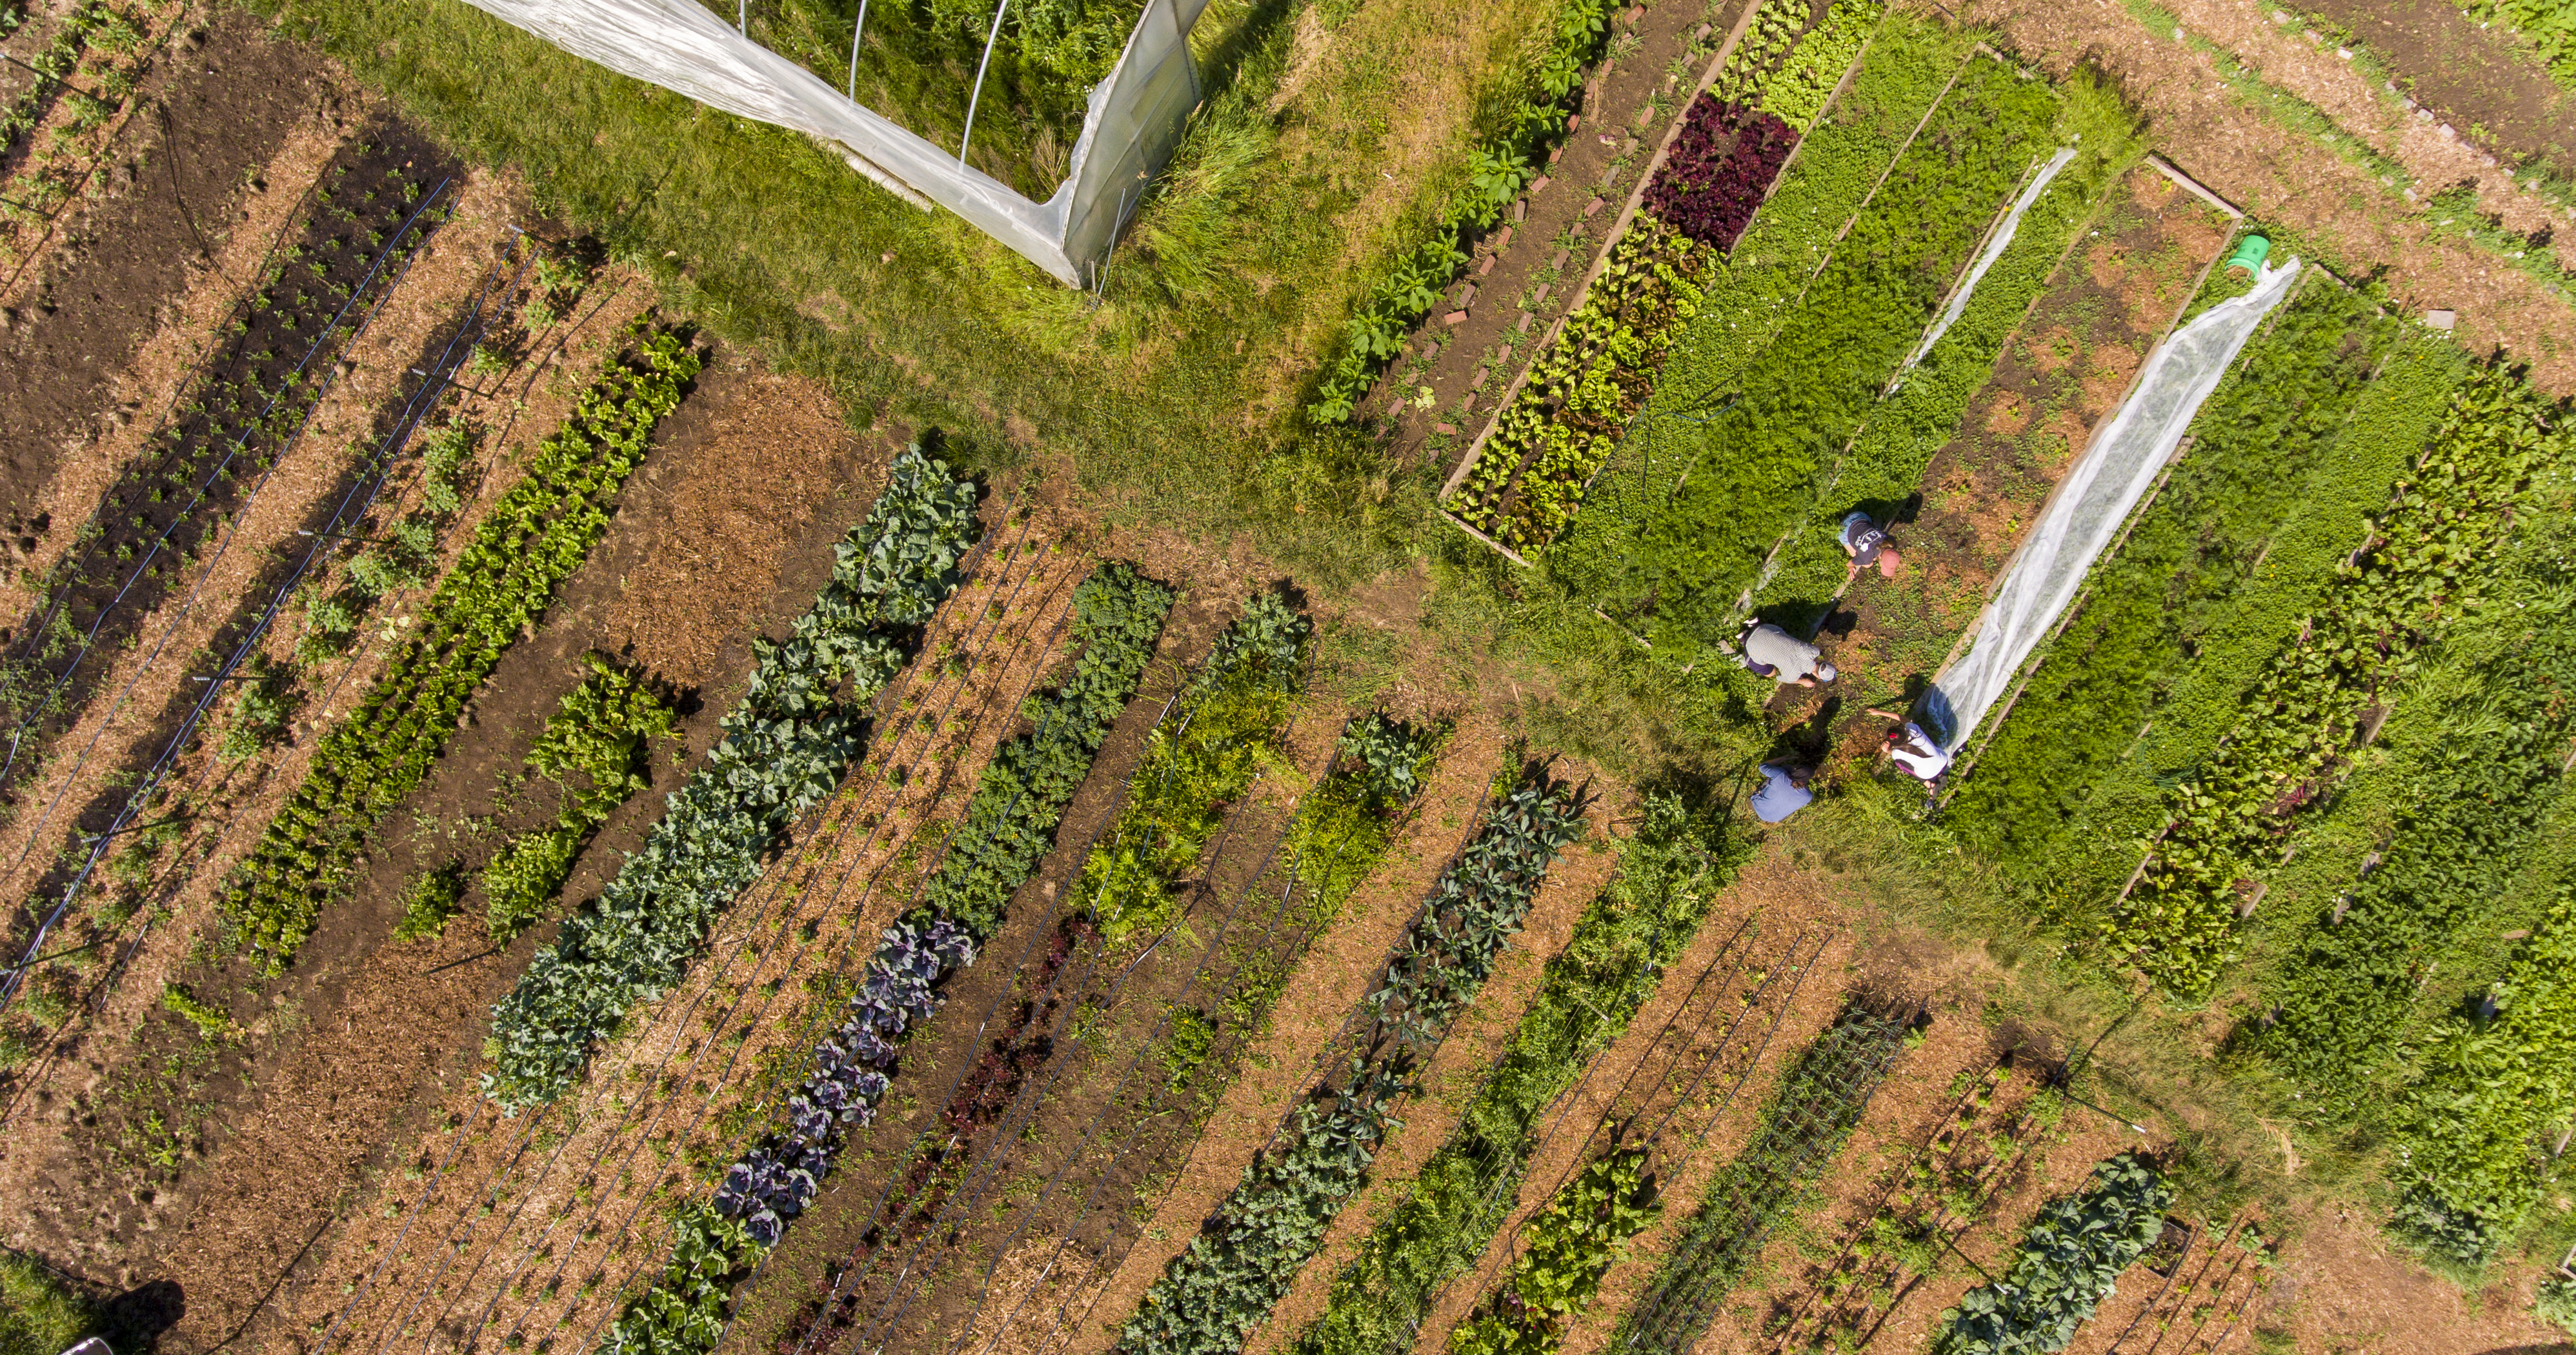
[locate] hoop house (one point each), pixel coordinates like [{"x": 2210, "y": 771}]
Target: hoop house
[{"x": 1132, "y": 119}]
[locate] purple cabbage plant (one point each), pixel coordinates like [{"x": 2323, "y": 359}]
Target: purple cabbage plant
[{"x": 777, "y": 1180}]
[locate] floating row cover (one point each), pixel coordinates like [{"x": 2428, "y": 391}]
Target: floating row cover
[
  {"x": 2093, "y": 500},
  {"x": 1134, "y": 119}
]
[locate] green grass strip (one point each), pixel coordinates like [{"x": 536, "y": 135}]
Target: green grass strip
[{"x": 1669, "y": 875}]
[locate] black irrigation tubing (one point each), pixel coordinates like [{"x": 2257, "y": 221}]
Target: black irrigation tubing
[
  {"x": 1738, "y": 945},
  {"x": 1878, "y": 1203},
  {"x": 1002, "y": 996},
  {"x": 774, "y": 886},
  {"x": 1316, "y": 1075},
  {"x": 37, "y": 625},
  {"x": 1005, "y": 1137},
  {"x": 820, "y": 1012},
  {"x": 1288, "y": 894},
  {"x": 1861, "y": 1085},
  {"x": 2208, "y": 1260},
  {"x": 1031, "y": 1094},
  {"x": 8, "y": 990},
  {"x": 1487, "y": 1276},
  {"x": 502, "y": 1167}
]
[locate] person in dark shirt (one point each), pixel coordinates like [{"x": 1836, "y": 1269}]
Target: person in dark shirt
[{"x": 1866, "y": 543}]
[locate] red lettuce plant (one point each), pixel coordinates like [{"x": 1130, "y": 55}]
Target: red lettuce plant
[{"x": 1719, "y": 168}]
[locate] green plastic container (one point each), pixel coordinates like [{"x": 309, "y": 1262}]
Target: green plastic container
[{"x": 2250, "y": 254}]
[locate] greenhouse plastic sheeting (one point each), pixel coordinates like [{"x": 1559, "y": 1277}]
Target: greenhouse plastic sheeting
[
  {"x": 1994, "y": 250},
  {"x": 2092, "y": 501},
  {"x": 1134, "y": 118}
]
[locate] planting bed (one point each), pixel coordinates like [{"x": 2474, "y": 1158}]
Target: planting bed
[{"x": 2119, "y": 283}]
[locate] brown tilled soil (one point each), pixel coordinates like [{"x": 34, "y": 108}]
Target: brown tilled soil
[
  {"x": 129, "y": 264},
  {"x": 2278, "y": 175},
  {"x": 290, "y": 1117},
  {"x": 2120, "y": 286},
  {"x": 2474, "y": 78},
  {"x": 578, "y": 1219},
  {"x": 1628, "y": 107},
  {"x": 878, "y": 1163}
]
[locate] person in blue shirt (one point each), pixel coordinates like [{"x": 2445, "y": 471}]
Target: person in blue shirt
[{"x": 1784, "y": 791}]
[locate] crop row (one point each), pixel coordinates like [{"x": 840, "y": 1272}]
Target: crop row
[
  {"x": 1938, "y": 1194},
  {"x": 1497, "y": 172},
  {"x": 785, "y": 746},
  {"x": 1565, "y": 1250},
  {"x": 1669, "y": 874},
  {"x": 2270, "y": 480},
  {"x": 2429, "y": 559},
  {"x": 1227, "y": 1280},
  {"x": 1202, "y": 752},
  {"x": 1598, "y": 368},
  {"x": 1803, "y": 1125},
  {"x": 2471, "y": 794},
  {"x": 1231, "y": 717},
  {"x": 91, "y": 69},
  {"x": 1117, "y": 617},
  {"x": 232, "y": 424},
  {"x": 597, "y": 747},
  {"x": 537, "y": 535},
  {"x": 2492, "y": 1082},
  {"x": 2069, "y": 1259}
]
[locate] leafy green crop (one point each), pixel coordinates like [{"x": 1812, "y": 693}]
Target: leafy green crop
[
  {"x": 2473, "y": 1163},
  {"x": 1567, "y": 1248},
  {"x": 684, "y": 1311},
  {"x": 1194, "y": 766},
  {"x": 1501, "y": 168},
  {"x": 2431, "y": 559},
  {"x": 1669, "y": 874},
  {"x": 2067, "y": 1264},
  {"x": 538, "y": 533},
  {"x": 1803, "y": 1125},
  {"x": 784, "y": 749},
  {"x": 1243, "y": 1260},
  {"x": 599, "y": 732}
]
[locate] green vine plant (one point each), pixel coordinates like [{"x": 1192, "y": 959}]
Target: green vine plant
[{"x": 1567, "y": 1248}]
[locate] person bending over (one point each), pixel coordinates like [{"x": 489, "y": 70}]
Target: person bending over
[
  {"x": 1775, "y": 654},
  {"x": 1866, "y": 543},
  {"x": 1917, "y": 752},
  {"x": 1784, "y": 791}
]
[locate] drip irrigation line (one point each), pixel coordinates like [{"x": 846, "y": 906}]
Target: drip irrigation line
[
  {"x": 1749, "y": 1229},
  {"x": 773, "y": 887},
  {"x": 1488, "y": 1276},
  {"x": 842, "y": 1284},
  {"x": 709, "y": 977},
  {"x": 663, "y": 1066},
  {"x": 1029, "y": 1215},
  {"x": 1031, "y": 1097},
  {"x": 1396, "y": 1047},
  {"x": 37, "y": 625},
  {"x": 9, "y": 989},
  {"x": 1738, "y": 945},
  {"x": 819, "y": 1014}
]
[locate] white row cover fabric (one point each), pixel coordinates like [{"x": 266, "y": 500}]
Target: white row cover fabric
[
  {"x": 2092, "y": 501},
  {"x": 1134, "y": 118},
  {"x": 1994, "y": 250}
]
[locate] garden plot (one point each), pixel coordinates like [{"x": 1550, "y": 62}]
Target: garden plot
[
  {"x": 1107, "y": 1106},
  {"x": 182, "y": 746},
  {"x": 579, "y": 1189},
  {"x": 2123, "y": 278},
  {"x": 2209, "y": 1285},
  {"x": 1695, "y": 512}
]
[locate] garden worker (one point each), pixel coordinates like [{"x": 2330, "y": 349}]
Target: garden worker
[
  {"x": 1784, "y": 791},
  {"x": 1866, "y": 543},
  {"x": 1772, "y": 653},
  {"x": 1912, "y": 749}
]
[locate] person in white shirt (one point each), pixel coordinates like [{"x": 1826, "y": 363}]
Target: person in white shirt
[{"x": 1916, "y": 752}]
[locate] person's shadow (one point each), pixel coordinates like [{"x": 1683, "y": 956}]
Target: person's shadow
[{"x": 132, "y": 1321}]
